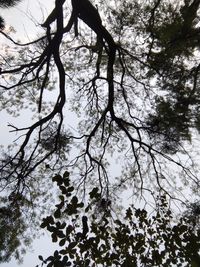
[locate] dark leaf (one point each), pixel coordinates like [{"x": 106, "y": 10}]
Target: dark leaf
[{"x": 40, "y": 258}]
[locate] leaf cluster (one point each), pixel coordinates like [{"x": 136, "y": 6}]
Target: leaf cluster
[{"x": 135, "y": 239}]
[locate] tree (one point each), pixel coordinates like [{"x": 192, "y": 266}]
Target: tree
[
  {"x": 13, "y": 225},
  {"x": 132, "y": 71},
  {"x": 91, "y": 235}
]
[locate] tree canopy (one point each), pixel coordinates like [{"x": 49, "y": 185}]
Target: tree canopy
[{"x": 128, "y": 72}]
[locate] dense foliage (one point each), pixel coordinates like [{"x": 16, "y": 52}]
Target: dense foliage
[
  {"x": 92, "y": 235},
  {"x": 127, "y": 72}
]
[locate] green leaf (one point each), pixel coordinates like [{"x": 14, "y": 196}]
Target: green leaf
[
  {"x": 57, "y": 213},
  {"x": 54, "y": 238},
  {"x": 43, "y": 224},
  {"x": 81, "y": 205},
  {"x": 63, "y": 225},
  {"x": 57, "y": 179},
  {"x": 63, "y": 189},
  {"x": 62, "y": 242},
  {"x": 40, "y": 257},
  {"x": 74, "y": 201},
  {"x": 94, "y": 193},
  {"x": 70, "y": 189},
  {"x": 72, "y": 245},
  {"x": 69, "y": 229},
  {"x": 60, "y": 234},
  {"x": 56, "y": 254}
]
